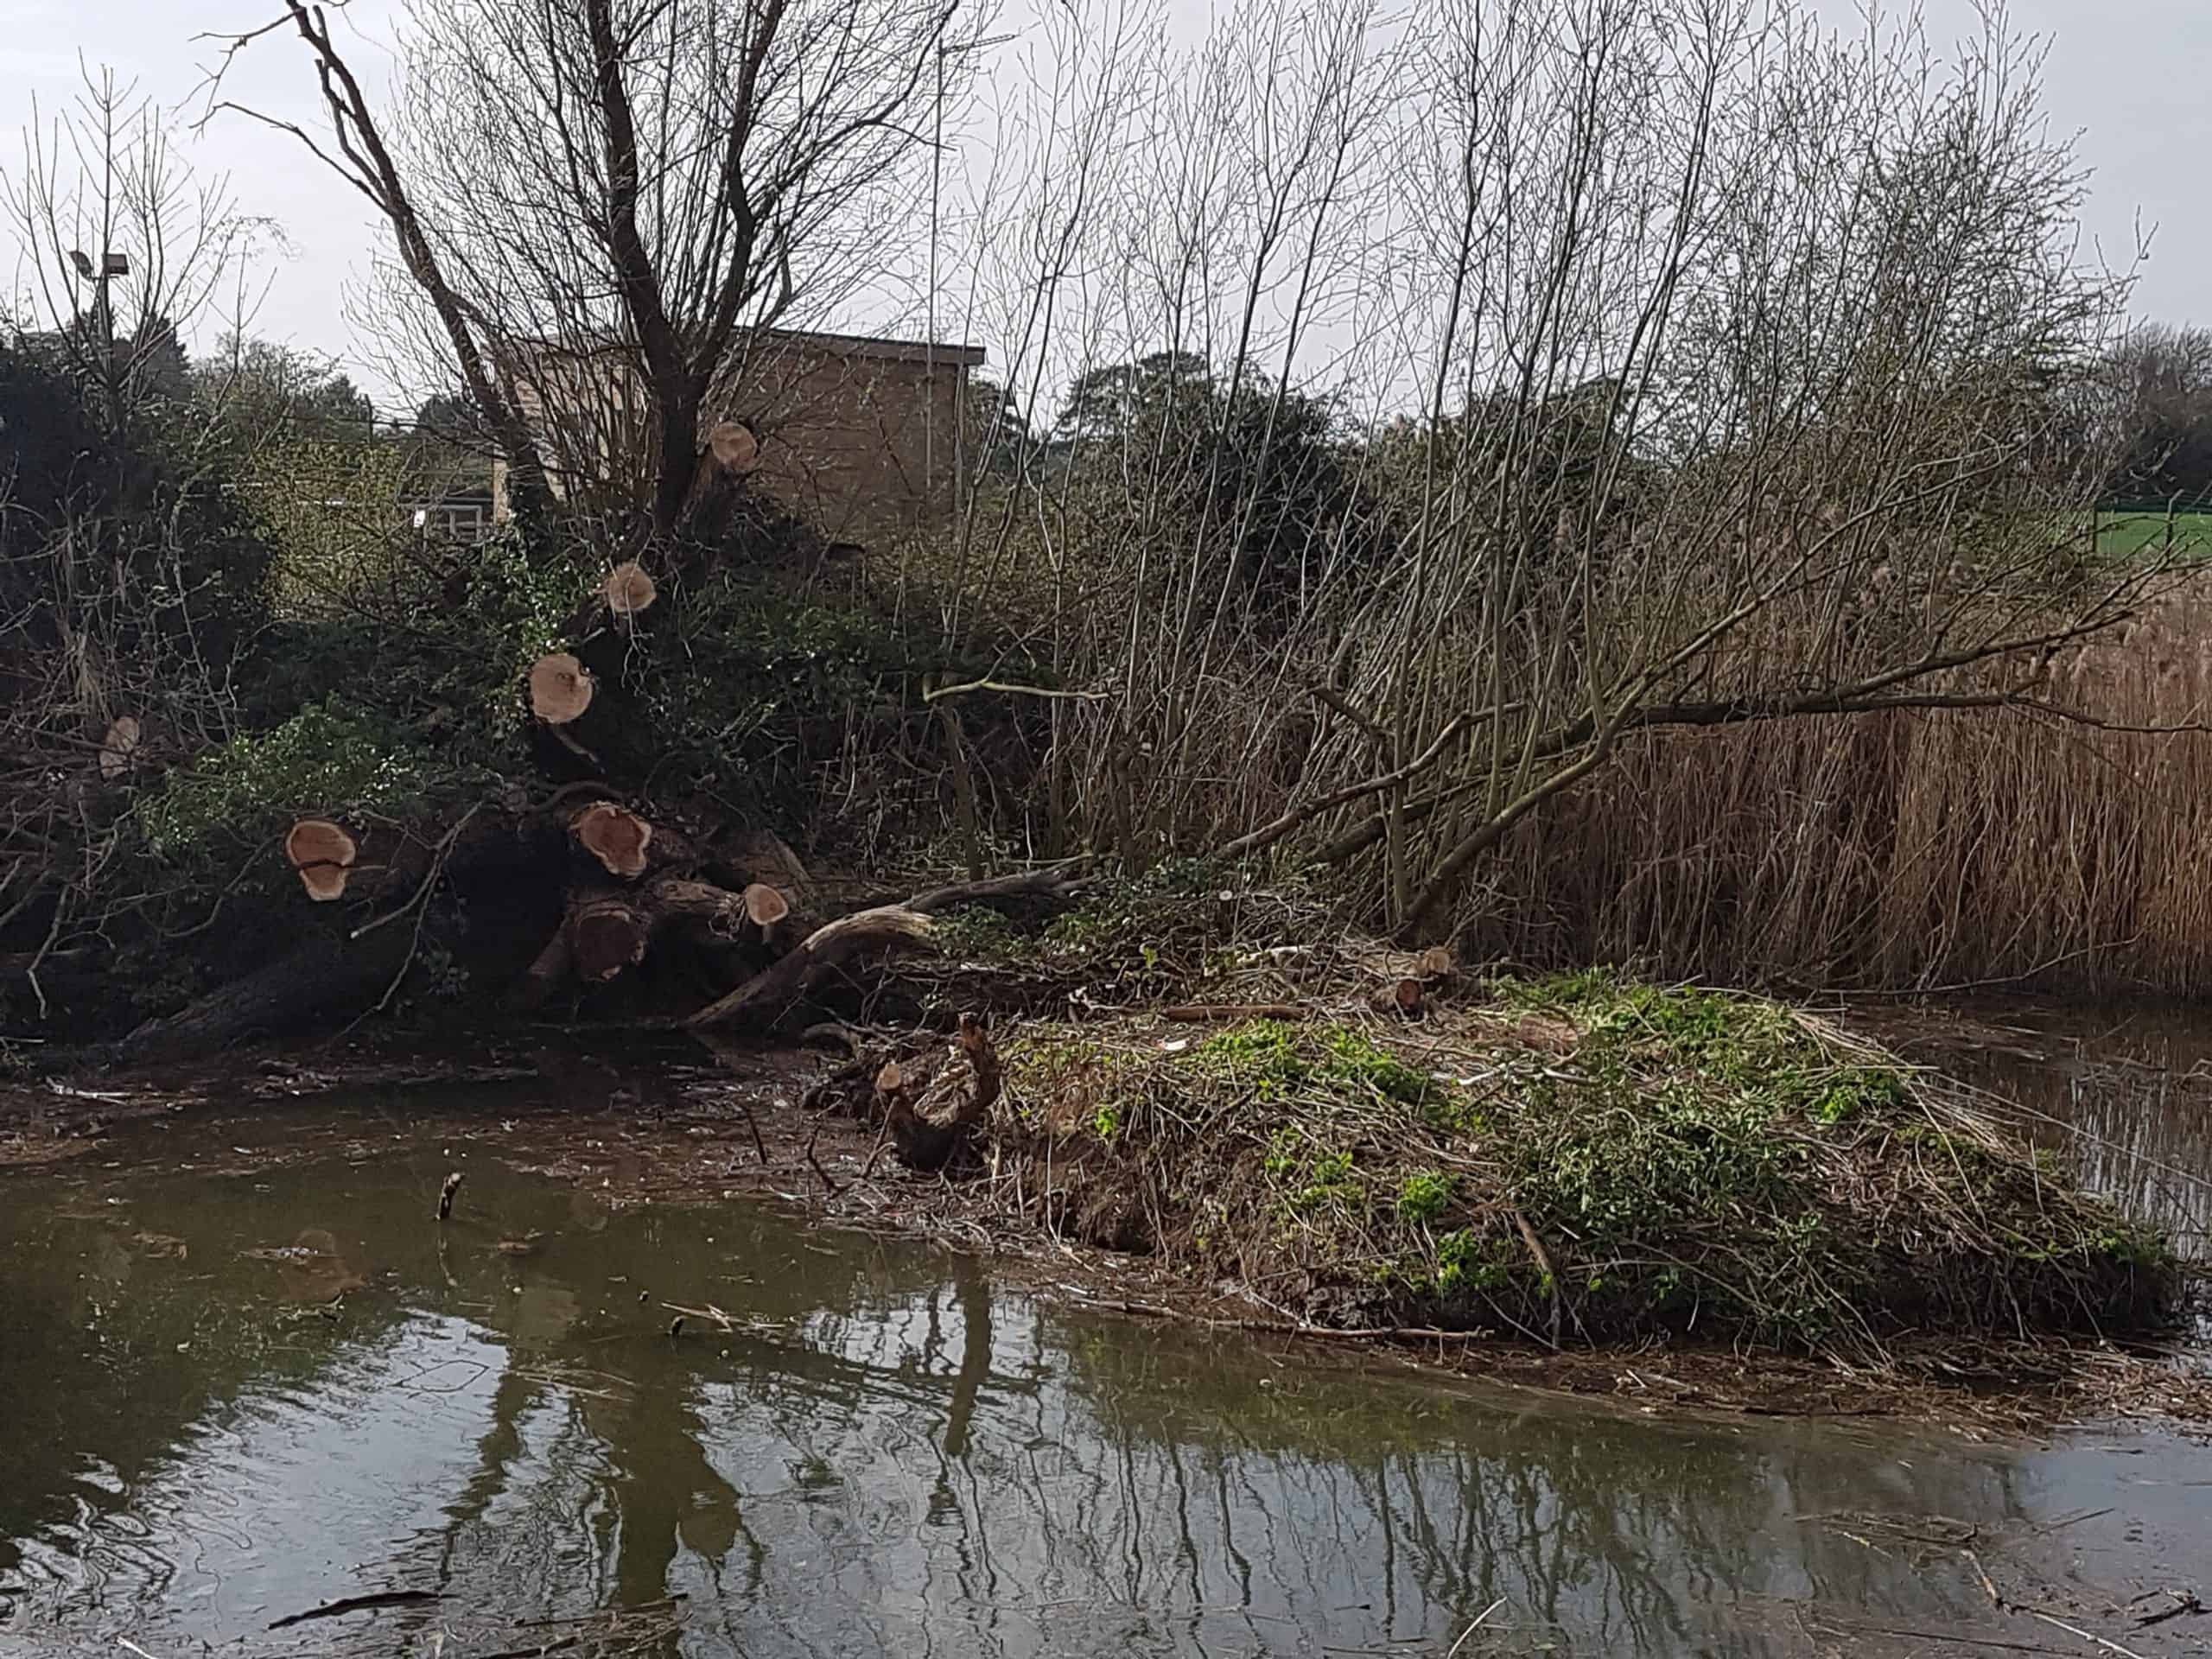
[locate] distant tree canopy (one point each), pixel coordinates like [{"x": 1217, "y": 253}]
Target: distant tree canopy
[
  {"x": 1265, "y": 474},
  {"x": 263, "y": 392},
  {"x": 2163, "y": 385},
  {"x": 1121, "y": 400},
  {"x": 997, "y": 436},
  {"x": 111, "y": 542},
  {"x": 451, "y": 418}
]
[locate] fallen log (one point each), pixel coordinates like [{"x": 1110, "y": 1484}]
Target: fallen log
[
  {"x": 1054, "y": 881},
  {"x": 298, "y": 988},
  {"x": 604, "y": 932},
  {"x": 770, "y": 993},
  {"x": 548, "y": 971},
  {"x": 678, "y": 898}
]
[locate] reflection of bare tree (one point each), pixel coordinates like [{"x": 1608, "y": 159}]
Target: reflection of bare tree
[
  {"x": 1336, "y": 1492},
  {"x": 2125, "y": 1096},
  {"x": 887, "y": 1452}
]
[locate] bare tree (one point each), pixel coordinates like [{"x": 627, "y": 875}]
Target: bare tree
[
  {"x": 128, "y": 576},
  {"x": 2159, "y": 398},
  {"x": 118, "y": 244},
  {"x": 1729, "y": 364},
  {"x": 599, "y": 202}
]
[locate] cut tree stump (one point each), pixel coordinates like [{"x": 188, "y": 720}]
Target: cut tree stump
[
  {"x": 733, "y": 447},
  {"x": 559, "y": 689},
  {"x": 116, "y": 747},
  {"x": 606, "y": 934},
  {"x": 615, "y": 835},
  {"x": 630, "y": 592},
  {"x": 323, "y": 854},
  {"x": 924, "y": 1135},
  {"x": 765, "y": 906}
]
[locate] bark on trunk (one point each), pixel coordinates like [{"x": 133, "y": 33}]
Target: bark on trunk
[{"x": 294, "y": 992}]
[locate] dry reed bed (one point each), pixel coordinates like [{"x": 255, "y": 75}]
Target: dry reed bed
[{"x": 1908, "y": 849}]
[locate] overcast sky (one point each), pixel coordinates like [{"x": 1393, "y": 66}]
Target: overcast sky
[{"x": 2131, "y": 76}]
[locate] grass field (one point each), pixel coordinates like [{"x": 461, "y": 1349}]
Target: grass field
[{"x": 2137, "y": 532}]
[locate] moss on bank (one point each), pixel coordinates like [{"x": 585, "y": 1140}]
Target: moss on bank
[{"x": 1608, "y": 1159}]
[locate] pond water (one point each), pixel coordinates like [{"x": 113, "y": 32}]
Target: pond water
[{"x": 241, "y": 1386}]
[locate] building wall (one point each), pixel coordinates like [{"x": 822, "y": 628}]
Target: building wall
[{"x": 859, "y": 436}]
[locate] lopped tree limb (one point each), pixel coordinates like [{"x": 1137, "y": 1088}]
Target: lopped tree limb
[
  {"x": 1738, "y": 711},
  {"x": 768, "y": 993},
  {"x": 764, "y": 997},
  {"x": 1051, "y": 882},
  {"x": 1267, "y": 834}
]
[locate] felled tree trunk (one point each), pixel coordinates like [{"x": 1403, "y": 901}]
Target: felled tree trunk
[
  {"x": 606, "y": 931},
  {"x": 595, "y": 889},
  {"x": 294, "y": 992}
]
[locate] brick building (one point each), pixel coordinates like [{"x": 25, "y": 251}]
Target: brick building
[{"x": 861, "y": 436}]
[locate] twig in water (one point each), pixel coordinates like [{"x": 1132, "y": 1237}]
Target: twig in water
[
  {"x": 446, "y": 1196},
  {"x": 1481, "y": 1618},
  {"x": 2184, "y": 1606},
  {"x": 2059, "y": 1623},
  {"x": 558, "y": 1644},
  {"x": 712, "y": 1314},
  {"x": 1982, "y": 1573},
  {"x": 753, "y": 1124},
  {"x": 828, "y": 1185},
  {"x": 359, "y": 1603},
  {"x": 2066, "y": 1521}
]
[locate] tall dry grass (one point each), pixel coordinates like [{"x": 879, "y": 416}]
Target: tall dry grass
[{"x": 1907, "y": 849}]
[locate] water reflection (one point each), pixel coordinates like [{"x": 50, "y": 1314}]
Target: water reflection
[
  {"x": 2123, "y": 1094},
  {"x": 884, "y": 1453}
]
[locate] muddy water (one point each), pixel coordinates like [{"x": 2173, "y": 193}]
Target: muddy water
[{"x": 239, "y": 1387}]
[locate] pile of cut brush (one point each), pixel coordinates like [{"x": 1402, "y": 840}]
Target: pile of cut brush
[{"x": 1583, "y": 1161}]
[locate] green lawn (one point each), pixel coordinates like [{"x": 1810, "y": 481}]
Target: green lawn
[{"x": 2138, "y": 532}]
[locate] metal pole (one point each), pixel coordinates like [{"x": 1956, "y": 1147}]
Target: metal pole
[{"x": 929, "y": 340}]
